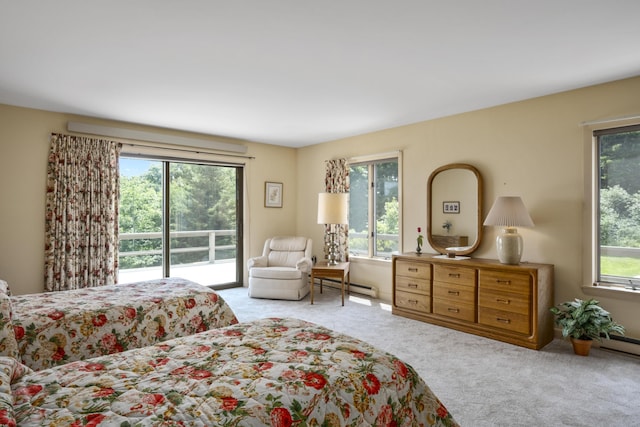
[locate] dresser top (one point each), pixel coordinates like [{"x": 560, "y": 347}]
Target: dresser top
[{"x": 468, "y": 262}]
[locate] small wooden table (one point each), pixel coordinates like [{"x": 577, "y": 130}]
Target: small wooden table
[{"x": 323, "y": 270}]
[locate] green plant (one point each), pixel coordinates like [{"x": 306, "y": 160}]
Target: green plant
[{"x": 585, "y": 319}]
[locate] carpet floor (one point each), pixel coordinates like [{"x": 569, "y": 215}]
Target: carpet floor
[{"x": 482, "y": 382}]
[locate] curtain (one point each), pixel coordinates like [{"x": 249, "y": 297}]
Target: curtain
[
  {"x": 81, "y": 224},
  {"x": 337, "y": 181}
]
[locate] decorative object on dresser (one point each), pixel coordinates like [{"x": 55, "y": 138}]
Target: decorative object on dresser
[
  {"x": 333, "y": 208},
  {"x": 479, "y": 296},
  {"x": 420, "y": 240},
  {"x": 583, "y": 321},
  {"x": 509, "y": 212}
]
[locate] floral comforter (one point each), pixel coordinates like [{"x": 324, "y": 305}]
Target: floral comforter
[
  {"x": 59, "y": 327},
  {"x": 277, "y": 372}
]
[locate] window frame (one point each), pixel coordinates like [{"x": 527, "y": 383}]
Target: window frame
[
  {"x": 371, "y": 232},
  {"x": 591, "y": 216},
  {"x": 166, "y": 156}
]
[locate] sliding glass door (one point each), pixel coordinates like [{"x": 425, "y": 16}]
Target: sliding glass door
[{"x": 180, "y": 219}]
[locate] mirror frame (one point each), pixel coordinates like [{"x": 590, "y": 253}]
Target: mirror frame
[{"x": 478, "y": 210}]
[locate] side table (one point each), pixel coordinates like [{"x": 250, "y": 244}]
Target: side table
[{"x": 323, "y": 270}]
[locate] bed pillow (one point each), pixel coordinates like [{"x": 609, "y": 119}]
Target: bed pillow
[{"x": 8, "y": 343}]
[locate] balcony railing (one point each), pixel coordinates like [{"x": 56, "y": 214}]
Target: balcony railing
[
  {"x": 210, "y": 248},
  {"x": 212, "y": 271}
]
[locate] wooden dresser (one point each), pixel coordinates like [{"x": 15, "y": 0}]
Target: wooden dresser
[{"x": 509, "y": 303}]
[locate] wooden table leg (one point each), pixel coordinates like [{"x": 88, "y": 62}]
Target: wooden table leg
[
  {"x": 312, "y": 281},
  {"x": 342, "y": 288}
]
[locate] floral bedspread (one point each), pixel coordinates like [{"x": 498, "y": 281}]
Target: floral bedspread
[
  {"x": 277, "y": 372},
  {"x": 59, "y": 327}
]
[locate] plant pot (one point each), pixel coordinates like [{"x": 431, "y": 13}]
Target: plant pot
[{"x": 581, "y": 347}]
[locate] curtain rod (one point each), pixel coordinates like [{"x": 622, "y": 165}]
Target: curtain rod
[
  {"x": 154, "y": 137},
  {"x": 373, "y": 156},
  {"x": 610, "y": 120},
  {"x": 185, "y": 150}
]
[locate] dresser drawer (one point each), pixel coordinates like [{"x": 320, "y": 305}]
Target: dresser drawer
[
  {"x": 455, "y": 309},
  {"x": 515, "y": 322},
  {"x": 451, "y": 274},
  {"x": 418, "y": 270},
  {"x": 411, "y": 301},
  {"x": 504, "y": 281},
  {"x": 451, "y": 291},
  {"x": 505, "y": 301},
  {"x": 413, "y": 285}
]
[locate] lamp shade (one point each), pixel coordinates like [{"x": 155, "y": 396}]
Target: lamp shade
[
  {"x": 333, "y": 208},
  {"x": 509, "y": 211}
]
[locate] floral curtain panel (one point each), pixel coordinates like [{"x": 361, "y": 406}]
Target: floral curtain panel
[
  {"x": 337, "y": 181},
  {"x": 81, "y": 232}
]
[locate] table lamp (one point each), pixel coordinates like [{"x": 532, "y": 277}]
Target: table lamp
[
  {"x": 509, "y": 212},
  {"x": 333, "y": 208}
]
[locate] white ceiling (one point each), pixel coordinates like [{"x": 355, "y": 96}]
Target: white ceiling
[{"x": 300, "y": 72}]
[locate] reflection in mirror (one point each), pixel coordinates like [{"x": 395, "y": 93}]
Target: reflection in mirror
[{"x": 454, "y": 209}]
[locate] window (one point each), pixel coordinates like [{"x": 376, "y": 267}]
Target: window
[
  {"x": 179, "y": 219},
  {"x": 617, "y": 207},
  {"x": 374, "y": 217}
]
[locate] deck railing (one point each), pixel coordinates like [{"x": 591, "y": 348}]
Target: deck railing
[{"x": 210, "y": 248}]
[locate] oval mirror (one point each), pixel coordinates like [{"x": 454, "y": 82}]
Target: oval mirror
[{"x": 454, "y": 209}]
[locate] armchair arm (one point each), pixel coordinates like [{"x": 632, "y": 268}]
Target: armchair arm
[
  {"x": 259, "y": 261},
  {"x": 304, "y": 264}
]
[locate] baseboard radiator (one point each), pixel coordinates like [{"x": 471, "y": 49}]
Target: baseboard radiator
[
  {"x": 353, "y": 287},
  {"x": 616, "y": 343},
  {"x": 621, "y": 343}
]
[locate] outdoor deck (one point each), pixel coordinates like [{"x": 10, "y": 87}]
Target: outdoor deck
[{"x": 205, "y": 273}]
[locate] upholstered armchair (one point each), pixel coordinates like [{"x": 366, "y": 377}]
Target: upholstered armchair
[{"x": 282, "y": 271}]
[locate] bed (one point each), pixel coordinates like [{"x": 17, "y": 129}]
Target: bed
[
  {"x": 276, "y": 371},
  {"x": 55, "y": 328}
]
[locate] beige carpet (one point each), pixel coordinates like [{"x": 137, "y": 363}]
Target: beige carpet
[{"x": 481, "y": 381}]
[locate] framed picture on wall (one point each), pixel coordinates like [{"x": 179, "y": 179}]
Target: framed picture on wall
[
  {"x": 272, "y": 194},
  {"x": 451, "y": 207}
]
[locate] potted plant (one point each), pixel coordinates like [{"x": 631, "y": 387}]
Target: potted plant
[{"x": 584, "y": 321}]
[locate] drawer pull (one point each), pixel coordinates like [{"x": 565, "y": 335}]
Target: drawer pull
[
  {"x": 456, "y": 293},
  {"x": 456, "y": 275},
  {"x": 503, "y": 301},
  {"x": 506, "y": 282},
  {"x": 453, "y": 310},
  {"x": 412, "y": 285},
  {"x": 501, "y": 320},
  {"x": 412, "y": 301},
  {"x": 413, "y": 270}
]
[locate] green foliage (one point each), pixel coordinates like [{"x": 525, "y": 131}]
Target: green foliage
[
  {"x": 619, "y": 218},
  {"x": 585, "y": 319},
  {"x": 620, "y": 160},
  {"x": 619, "y": 266},
  {"x": 388, "y": 224},
  {"x": 619, "y": 155}
]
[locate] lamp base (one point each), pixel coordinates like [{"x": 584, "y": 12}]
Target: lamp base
[
  {"x": 333, "y": 253},
  {"x": 509, "y": 245}
]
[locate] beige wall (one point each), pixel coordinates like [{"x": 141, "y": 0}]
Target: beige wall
[
  {"x": 533, "y": 148},
  {"x": 24, "y": 145}
]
